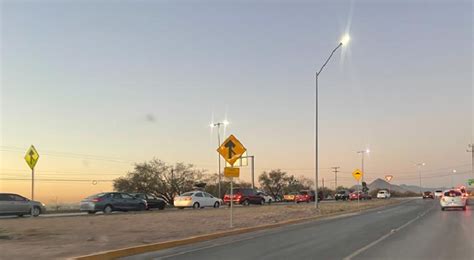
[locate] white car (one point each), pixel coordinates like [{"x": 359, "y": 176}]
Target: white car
[
  {"x": 268, "y": 199},
  {"x": 383, "y": 194},
  {"x": 453, "y": 199},
  {"x": 196, "y": 200},
  {"x": 438, "y": 194}
]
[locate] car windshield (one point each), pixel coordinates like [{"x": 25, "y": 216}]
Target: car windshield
[
  {"x": 452, "y": 193},
  {"x": 187, "y": 194},
  {"x": 98, "y": 195}
]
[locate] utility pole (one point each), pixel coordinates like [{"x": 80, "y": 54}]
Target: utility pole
[
  {"x": 335, "y": 169},
  {"x": 471, "y": 150}
]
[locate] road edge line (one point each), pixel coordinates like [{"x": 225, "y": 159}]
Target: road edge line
[
  {"x": 135, "y": 250},
  {"x": 380, "y": 239}
]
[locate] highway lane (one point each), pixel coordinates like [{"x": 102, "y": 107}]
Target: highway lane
[
  {"x": 405, "y": 231},
  {"x": 438, "y": 235}
]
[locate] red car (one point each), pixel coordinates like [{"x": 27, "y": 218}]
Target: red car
[
  {"x": 359, "y": 195},
  {"x": 244, "y": 196},
  {"x": 304, "y": 196}
]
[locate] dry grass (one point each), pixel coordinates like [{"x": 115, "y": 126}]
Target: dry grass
[{"x": 49, "y": 238}]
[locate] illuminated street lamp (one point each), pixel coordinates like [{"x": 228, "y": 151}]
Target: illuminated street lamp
[
  {"x": 363, "y": 152},
  {"x": 344, "y": 41},
  {"x": 218, "y": 125},
  {"x": 418, "y": 165}
]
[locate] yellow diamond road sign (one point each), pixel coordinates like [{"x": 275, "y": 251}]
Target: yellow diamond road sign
[
  {"x": 31, "y": 157},
  {"x": 231, "y": 149},
  {"x": 357, "y": 174}
]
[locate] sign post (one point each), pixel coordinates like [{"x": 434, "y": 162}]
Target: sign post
[
  {"x": 31, "y": 158},
  {"x": 357, "y": 174},
  {"x": 231, "y": 150}
]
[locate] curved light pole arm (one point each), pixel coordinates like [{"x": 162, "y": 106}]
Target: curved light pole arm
[{"x": 329, "y": 58}]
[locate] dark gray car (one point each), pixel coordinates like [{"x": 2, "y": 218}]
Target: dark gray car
[
  {"x": 112, "y": 201},
  {"x": 14, "y": 204}
]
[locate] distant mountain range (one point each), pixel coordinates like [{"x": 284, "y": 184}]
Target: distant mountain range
[{"x": 379, "y": 184}]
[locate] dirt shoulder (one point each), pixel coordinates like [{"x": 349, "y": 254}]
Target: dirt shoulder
[{"x": 59, "y": 238}]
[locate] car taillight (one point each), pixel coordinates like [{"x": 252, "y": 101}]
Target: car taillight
[
  {"x": 97, "y": 200},
  {"x": 188, "y": 198}
]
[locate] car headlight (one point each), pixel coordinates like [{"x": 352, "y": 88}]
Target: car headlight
[{"x": 42, "y": 204}]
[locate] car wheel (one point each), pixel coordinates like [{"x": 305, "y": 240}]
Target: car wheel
[
  {"x": 216, "y": 204},
  {"x": 442, "y": 209},
  {"x": 270, "y": 201},
  {"x": 246, "y": 202},
  {"x": 161, "y": 207},
  {"x": 35, "y": 211},
  {"x": 90, "y": 212},
  {"x": 262, "y": 202},
  {"x": 464, "y": 208},
  {"x": 196, "y": 205},
  {"x": 108, "y": 209},
  {"x": 141, "y": 207}
]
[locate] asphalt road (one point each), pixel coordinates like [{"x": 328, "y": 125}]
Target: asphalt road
[{"x": 416, "y": 229}]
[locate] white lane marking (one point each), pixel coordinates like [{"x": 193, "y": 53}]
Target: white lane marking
[
  {"x": 263, "y": 233},
  {"x": 359, "y": 251}
]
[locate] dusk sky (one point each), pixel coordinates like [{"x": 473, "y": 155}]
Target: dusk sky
[{"x": 99, "y": 85}]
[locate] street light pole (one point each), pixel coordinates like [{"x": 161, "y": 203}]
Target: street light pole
[
  {"x": 363, "y": 152},
  {"x": 419, "y": 175},
  {"x": 218, "y": 125},
  {"x": 345, "y": 39},
  {"x": 452, "y": 180},
  {"x": 471, "y": 150}
]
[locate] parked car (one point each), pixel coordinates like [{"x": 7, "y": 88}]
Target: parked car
[
  {"x": 290, "y": 196},
  {"x": 112, "y": 201},
  {"x": 14, "y": 204},
  {"x": 359, "y": 195},
  {"x": 268, "y": 199},
  {"x": 196, "y": 199},
  {"x": 152, "y": 202},
  {"x": 438, "y": 194},
  {"x": 428, "y": 195},
  {"x": 305, "y": 196},
  {"x": 383, "y": 194},
  {"x": 244, "y": 196},
  {"x": 453, "y": 199},
  {"x": 342, "y": 195}
]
